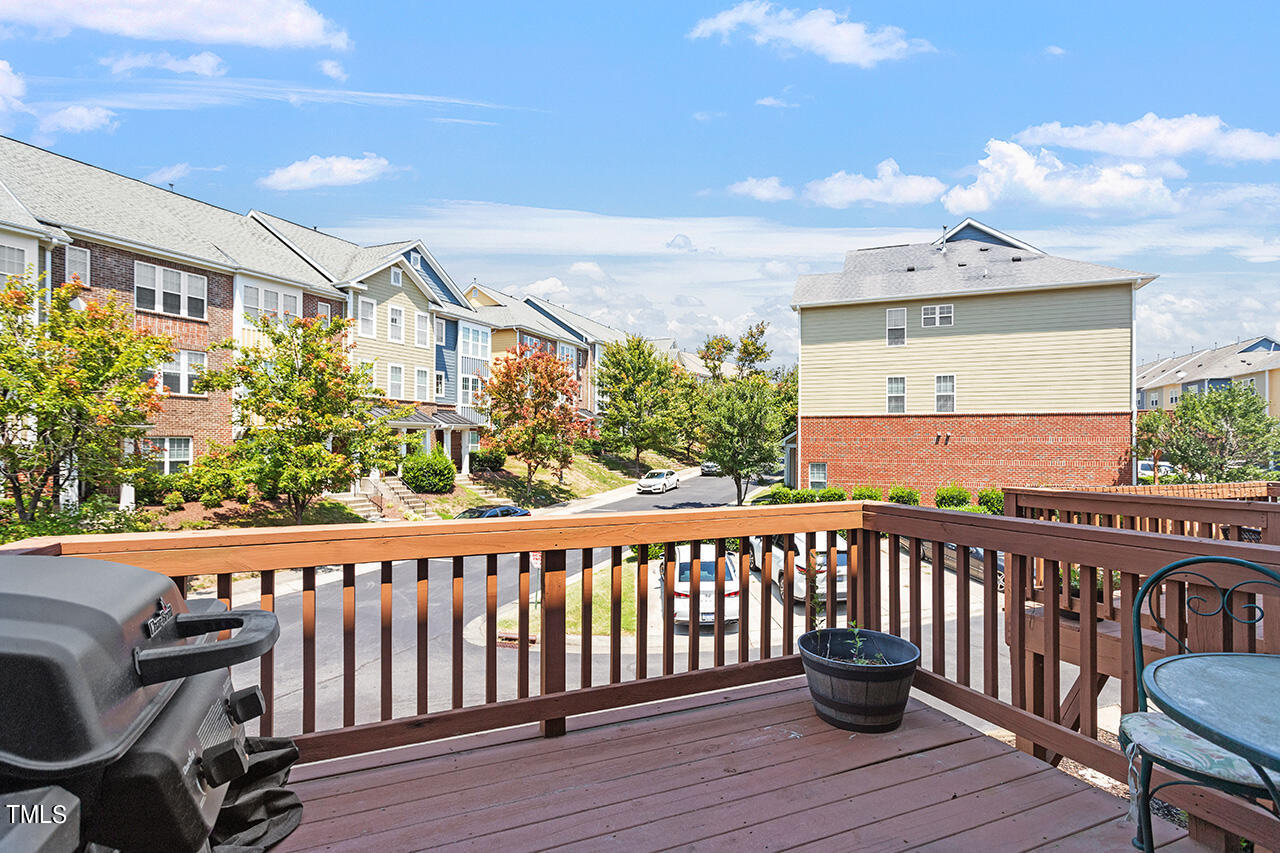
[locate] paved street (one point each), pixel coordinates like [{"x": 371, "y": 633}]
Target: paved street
[{"x": 696, "y": 492}]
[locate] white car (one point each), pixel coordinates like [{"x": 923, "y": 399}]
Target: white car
[
  {"x": 706, "y": 585},
  {"x": 796, "y": 543},
  {"x": 659, "y": 481}
]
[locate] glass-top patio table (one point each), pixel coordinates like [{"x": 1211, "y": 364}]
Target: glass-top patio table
[{"x": 1229, "y": 699}]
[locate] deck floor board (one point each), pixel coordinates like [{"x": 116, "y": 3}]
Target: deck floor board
[{"x": 747, "y": 769}]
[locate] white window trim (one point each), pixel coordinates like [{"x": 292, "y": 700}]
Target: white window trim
[
  {"x": 955, "y": 393},
  {"x": 469, "y": 399},
  {"x": 183, "y": 358},
  {"x": 937, "y": 316},
  {"x": 166, "y": 453},
  {"x": 888, "y": 312},
  {"x": 442, "y": 334},
  {"x": 417, "y": 328},
  {"x": 479, "y": 332},
  {"x": 373, "y": 317},
  {"x": 391, "y": 327},
  {"x": 825, "y": 475},
  {"x": 184, "y": 292},
  {"x": 324, "y": 310},
  {"x": 397, "y": 277},
  {"x": 430, "y": 395},
  {"x": 415, "y": 258},
  {"x": 22, "y": 264},
  {"x": 391, "y": 367},
  {"x": 887, "y": 395},
  {"x": 439, "y": 383},
  {"x": 85, "y": 280}
]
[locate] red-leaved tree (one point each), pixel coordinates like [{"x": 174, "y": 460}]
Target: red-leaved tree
[{"x": 529, "y": 400}]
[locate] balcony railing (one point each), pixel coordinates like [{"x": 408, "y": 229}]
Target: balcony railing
[{"x": 908, "y": 570}]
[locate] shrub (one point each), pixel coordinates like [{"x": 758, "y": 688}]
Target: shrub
[
  {"x": 174, "y": 501},
  {"x": 865, "y": 493},
  {"x": 832, "y": 493},
  {"x": 211, "y": 500},
  {"x": 777, "y": 494},
  {"x": 804, "y": 496},
  {"x": 589, "y": 446},
  {"x": 150, "y": 488},
  {"x": 904, "y": 495},
  {"x": 488, "y": 459},
  {"x": 992, "y": 500},
  {"x": 952, "y": 495},
  {"x": 429, "y": 473},
  {"x": 979, "y": 508}
]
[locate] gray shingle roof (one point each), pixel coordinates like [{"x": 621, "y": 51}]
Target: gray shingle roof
[
  {"x": 341, "y": 259},
  {"x": 58, "y": 191},
  {"x": 590, "y": 331},
  {"x": 1224, "y": 362},
  {"x": 512, "y": 313},
  {"x": 967, "y": 266}
]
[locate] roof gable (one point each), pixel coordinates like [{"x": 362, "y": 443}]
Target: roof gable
[{"x": 972, "y": 229}]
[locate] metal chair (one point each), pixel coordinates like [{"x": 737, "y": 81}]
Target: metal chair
[{"x": 1150, "y": 738}]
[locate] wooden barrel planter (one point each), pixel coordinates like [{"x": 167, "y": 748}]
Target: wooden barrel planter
[{"x": 860, "y": 697}]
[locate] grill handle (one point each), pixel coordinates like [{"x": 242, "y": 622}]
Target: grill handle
[{"x": 258, "y": 633}]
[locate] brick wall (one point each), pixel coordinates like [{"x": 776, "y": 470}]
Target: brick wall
[
  {"x": 337, "y": 306},
  {"x": 1040, "y": 450},
  {"x": 207, "y": 418}
]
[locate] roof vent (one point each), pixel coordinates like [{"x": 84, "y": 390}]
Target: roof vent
[
  {"x": 961, "y": 264},
  {"x": 911, "y": 269},
  {"x": 984, "y": 249},
  {"x": 1016, "y": 258}
]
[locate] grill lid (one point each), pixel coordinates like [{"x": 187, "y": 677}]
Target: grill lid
[{"x": 84, "y": 648}]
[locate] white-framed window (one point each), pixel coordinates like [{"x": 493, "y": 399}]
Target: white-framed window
[
  {"x": 440, "y": 332},
  {"x": 422, "y": 378},
  {"x": 168, "y": 291},
  {"x": 367, "y": 309},
  {"x": 1155, "y": 401},
  {"x": 397, "y": 277},
  {"x": 936, "y": 315},
  {"x": 1173, "y": 399},
  {"x": 395, "y": 324},
  {"x": 895, "y": 389},
  {"x": 421, "y": 329},
  {"x": 324, "y": 311},
  {"x": 944, "y": 393},
  {"x": 817, "y": 475},
  {"x": 78, "y": 264},
  {"x": 473, "y": 341},
  {"x": 395, "y": 381},
  {"x": 470, "y": 390},
  {"x": 567, "y": 354},
  {"x": 439, "y": 384},
  {"x": 276, "y": 304},
  {"x": 473, "y": 440},
  {"x": 895, "y": 327},
  {"x": 12, "y": 261},
  {"x": 168, "y": 455},
  {"x": 181, "y": 376},
  {"x": 415, "y": 258}
]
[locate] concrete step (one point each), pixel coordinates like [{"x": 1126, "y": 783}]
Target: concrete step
[{"x": 358, "y": 504}]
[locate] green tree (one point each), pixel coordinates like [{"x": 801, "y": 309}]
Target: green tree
[
  {"x": 715, "y": 350},
  {"x": 744, "y": 429},
  {"x": 688, "y": 407},
  {"x": 71, "y": 396},
  {"x": 786, "y": 381},
  {"x": 752, "y": 351},
  {"x": 528, "y": 398},
  {"x": 637, "y": 382},
  {"x": 308, "y": 420},
  {"x": 1223, "y": 430},
  {"x": 1153, "y": 434}
]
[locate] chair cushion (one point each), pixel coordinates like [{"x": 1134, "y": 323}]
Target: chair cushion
[{"x": 1163, "y": 739}]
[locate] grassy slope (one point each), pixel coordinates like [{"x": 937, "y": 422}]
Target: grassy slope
[
  {"x": 588, "y": 475},
  {"x": 601, "y": 587}
]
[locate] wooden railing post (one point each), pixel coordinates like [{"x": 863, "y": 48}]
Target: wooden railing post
[{"x": 552, "y": 656}]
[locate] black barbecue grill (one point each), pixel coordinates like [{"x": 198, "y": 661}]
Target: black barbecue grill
[{"x": 118, "y": 691}]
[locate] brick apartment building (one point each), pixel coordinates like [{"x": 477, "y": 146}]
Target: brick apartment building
[{"x": 976, "y": 358}]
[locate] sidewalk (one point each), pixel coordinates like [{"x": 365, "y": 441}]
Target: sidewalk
[{"x": 591, "y": 502}]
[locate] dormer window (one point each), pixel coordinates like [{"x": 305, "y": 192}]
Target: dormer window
[
  {"x": 397, "y": 277},
  {"x": 415, "y": 258}
]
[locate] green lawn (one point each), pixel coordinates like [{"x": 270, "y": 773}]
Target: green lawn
[
  {"x": 588, "y": 475},
  {"x": 601, "y": 589}
]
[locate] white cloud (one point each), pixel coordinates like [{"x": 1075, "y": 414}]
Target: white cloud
[
  {"x": 828, "y": 34},
  {"x": 704, "y": 115},
  {"x": 1152, "y": 137},
  {"x": 77, "y": 118},
  {"x": 204, "y": 64},
  {"x": 1011, "y": 173},
  {"x": 771, "y": 101},
  {"x": 317, "y": 171},
  {"x": 12, "y": 87},
  {"x": 264, "y": 23},
  {"x": 763, "y": 189},
  {"x": 889, "y": 186},
  {"x": 1054, "y": 50},
  {"x": 176, "y": 172},
  {"x": 333, "y": 69},
  {"x": 549, "y": 288},
  {"x": 681, "y": 243},
  {"x": 590, "y": 269}
]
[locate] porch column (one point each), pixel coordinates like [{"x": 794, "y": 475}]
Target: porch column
[
  {"x": 466, "y": 453},
  {"x": 70, "y": 494},
  {"x": 426, "y": 440}
]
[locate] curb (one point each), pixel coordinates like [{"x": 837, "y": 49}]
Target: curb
[{"x": 581, "y": 504}]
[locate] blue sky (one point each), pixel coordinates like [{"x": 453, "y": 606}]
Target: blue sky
[{"x": 670, "y": 168}]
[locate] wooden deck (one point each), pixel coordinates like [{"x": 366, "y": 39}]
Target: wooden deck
[{"x": 745, "y": 769}]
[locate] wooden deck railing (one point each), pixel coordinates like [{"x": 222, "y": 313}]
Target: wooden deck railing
[{"x": 909, "y": 570}]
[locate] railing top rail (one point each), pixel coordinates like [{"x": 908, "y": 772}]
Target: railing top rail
[
  {"x": 261, "y": 549},
  {"x": 1216, "y": 510}
]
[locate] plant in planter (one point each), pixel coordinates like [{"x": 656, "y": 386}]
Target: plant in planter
[{"x": 859, "y": 680}]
